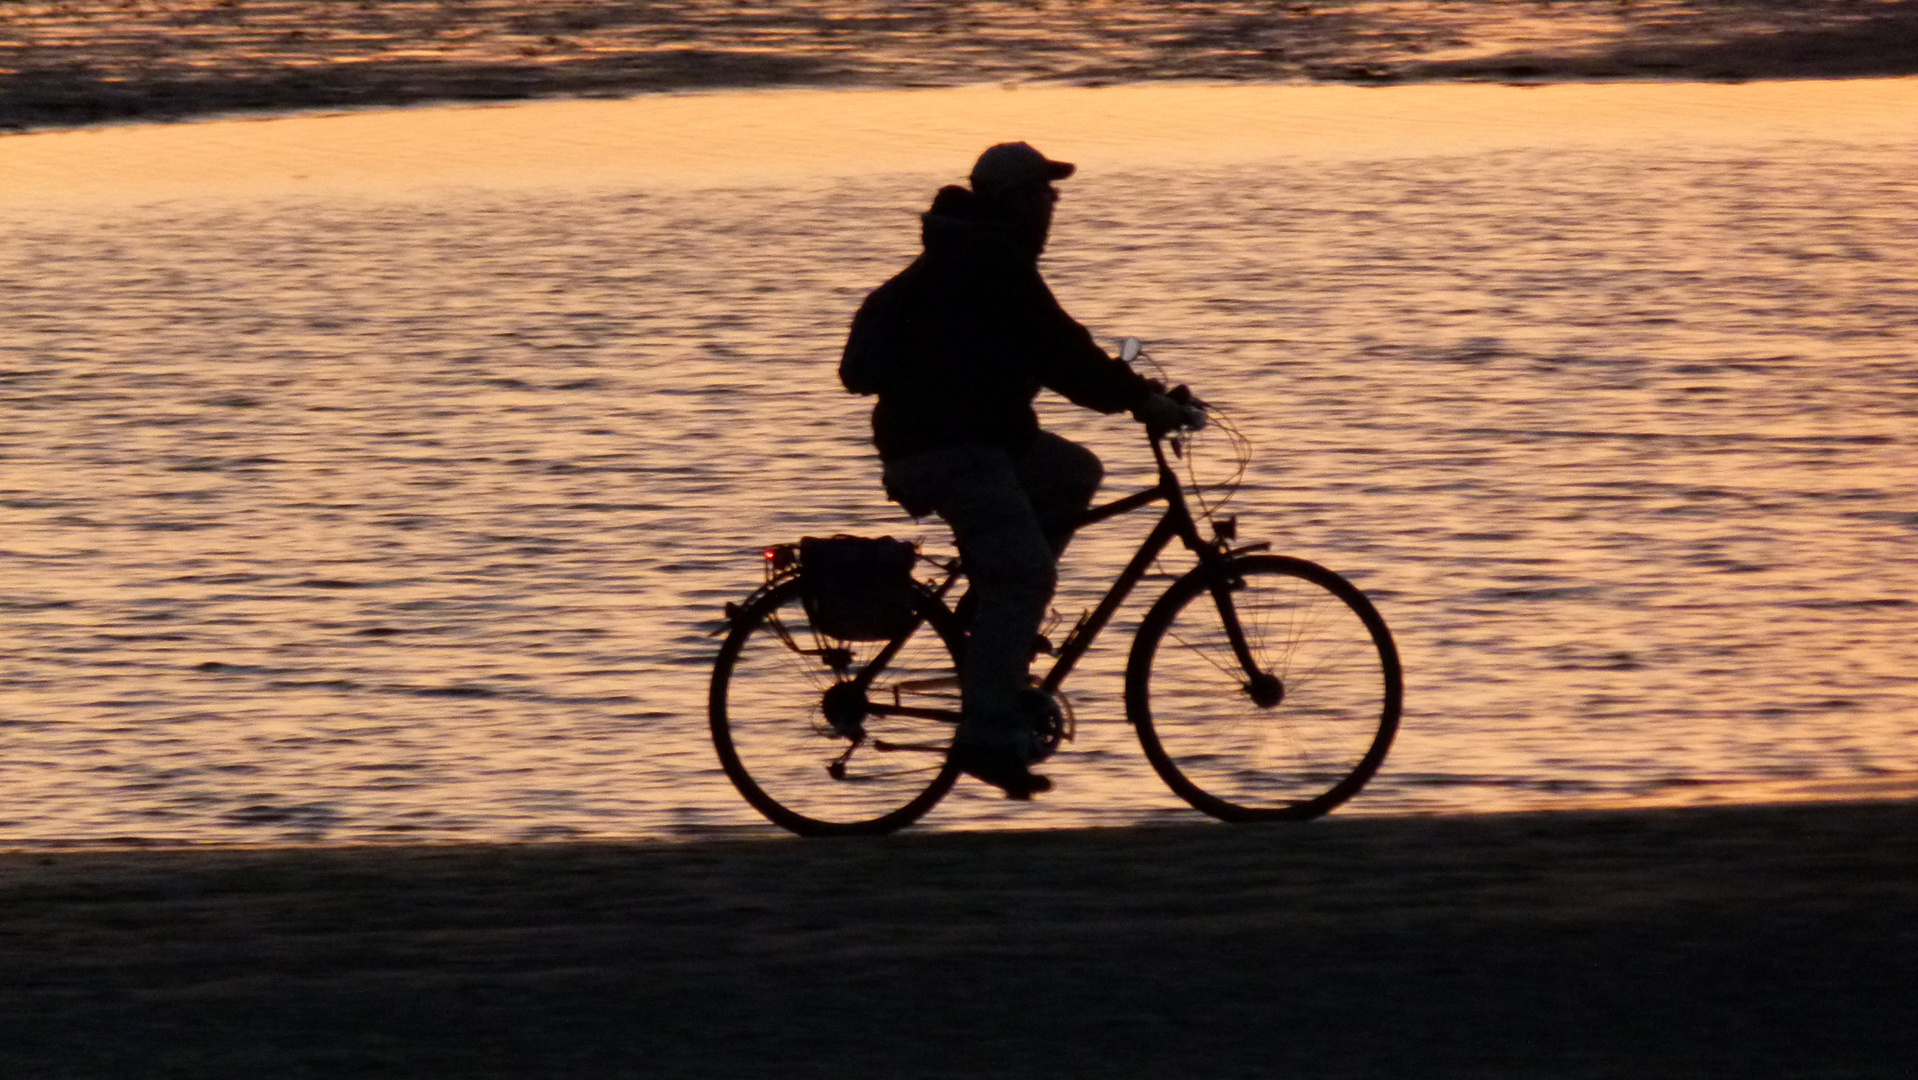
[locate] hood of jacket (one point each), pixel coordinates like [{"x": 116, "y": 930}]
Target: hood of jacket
[{"x": 959, "y": 225}]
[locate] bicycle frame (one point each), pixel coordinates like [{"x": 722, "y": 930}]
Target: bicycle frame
[
  {"x": 1226, "y": 749},
  {"x": 1177, "y": 522}
]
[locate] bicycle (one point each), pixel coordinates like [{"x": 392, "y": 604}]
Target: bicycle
[{"x": 1276, "y": 701}]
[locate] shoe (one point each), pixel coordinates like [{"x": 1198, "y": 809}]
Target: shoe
[{"x": 1002, "y": 768}]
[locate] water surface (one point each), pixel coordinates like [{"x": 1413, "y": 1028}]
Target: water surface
[
  {"x": 365, "y": 491},
  {"x": 87, "y": 61}
]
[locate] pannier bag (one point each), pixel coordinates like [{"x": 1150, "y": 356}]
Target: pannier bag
[{"x": 858, "y": 588}]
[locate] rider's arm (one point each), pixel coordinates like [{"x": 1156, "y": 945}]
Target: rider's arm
[{"x": 1064, "y": 358}]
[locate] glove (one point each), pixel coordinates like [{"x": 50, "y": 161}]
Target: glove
[{"x": 1161, "y": 413}]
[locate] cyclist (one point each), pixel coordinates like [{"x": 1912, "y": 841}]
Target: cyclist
[{"x": 956, "y": 346}]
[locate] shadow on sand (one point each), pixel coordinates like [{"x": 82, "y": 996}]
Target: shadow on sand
[{"x": 1753, "y": 941}]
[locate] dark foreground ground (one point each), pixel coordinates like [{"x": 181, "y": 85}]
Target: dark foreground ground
[
  {"x": 88, "y": 61},
  {"x": 1749, "y": 942}
]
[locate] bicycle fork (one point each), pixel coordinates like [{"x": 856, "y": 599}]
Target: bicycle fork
[{"x": 1264, "y": 688}]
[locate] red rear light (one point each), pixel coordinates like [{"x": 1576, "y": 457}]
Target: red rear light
[{"x": 781, "y": 558}]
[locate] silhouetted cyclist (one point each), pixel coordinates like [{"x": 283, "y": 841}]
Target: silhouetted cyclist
[{"x": 956, "y": 346}]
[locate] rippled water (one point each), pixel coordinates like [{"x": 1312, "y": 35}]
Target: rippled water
[
  {"x": 407, "y": 513},
  {"x": 84, "y": 61}
]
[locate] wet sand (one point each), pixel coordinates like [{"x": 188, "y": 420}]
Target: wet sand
[
  {"x": 1755, "y": 941},
  {"x": 90, "y": 61}
]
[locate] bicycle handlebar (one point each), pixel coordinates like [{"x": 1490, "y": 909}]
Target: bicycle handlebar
[
  {"x": 1180, "y": 393},
  {"x": 1183, "y": 395},
  {"x": 1190, "y": 414}
]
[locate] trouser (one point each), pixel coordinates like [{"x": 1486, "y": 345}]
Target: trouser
[{"x": 1012, "y": 515}]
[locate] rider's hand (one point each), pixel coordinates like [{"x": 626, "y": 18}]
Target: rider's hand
[{"x": 1160, "y": 413}]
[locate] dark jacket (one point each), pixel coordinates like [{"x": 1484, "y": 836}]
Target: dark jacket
[{"x": 959, "y": 343}]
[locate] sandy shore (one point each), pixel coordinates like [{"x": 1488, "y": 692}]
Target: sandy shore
[
  {"x": 88, "y": 61},
  {"x": 1758, "y": 941}
]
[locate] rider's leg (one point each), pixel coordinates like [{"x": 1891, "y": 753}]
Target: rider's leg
[
  {"x": 1060, "y": 477},
  {"x": 977, "y": 490}
]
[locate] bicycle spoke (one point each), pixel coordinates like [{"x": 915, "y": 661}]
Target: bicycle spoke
[
  {"x": 1235, "y": 755},
  {"x": 1230, "y": 671},
  {"x": 772, "y": 690}
]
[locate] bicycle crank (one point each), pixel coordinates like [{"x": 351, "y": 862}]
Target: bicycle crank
[{"x": 1052, "y": 719}]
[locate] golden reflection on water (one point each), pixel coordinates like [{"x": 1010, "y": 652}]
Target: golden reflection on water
[
  {"x": 380, "y": 475},
  {"x": 799, "y": 136}
]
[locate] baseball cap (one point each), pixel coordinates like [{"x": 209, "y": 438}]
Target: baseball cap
[{"x": 1009, "y": 165}]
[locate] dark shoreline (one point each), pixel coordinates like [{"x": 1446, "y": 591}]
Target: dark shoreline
[
  {"x": 99, "y": 61},
  {"x": 1747, "y": 941}
]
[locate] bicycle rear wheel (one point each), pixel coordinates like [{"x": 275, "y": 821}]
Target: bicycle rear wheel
[
  {"x": 1244, "y": 747},
  {"x": 806, "y": 747}
]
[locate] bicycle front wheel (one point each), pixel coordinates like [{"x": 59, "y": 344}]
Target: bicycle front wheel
[
  {"x": 1300, "y": 733},
  {"x": 818, "y": 743}
]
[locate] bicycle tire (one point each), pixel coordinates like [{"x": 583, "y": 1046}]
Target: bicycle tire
[
  {"x": 776, "y": 745},
  {"x": 1195, "y": 711}
]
